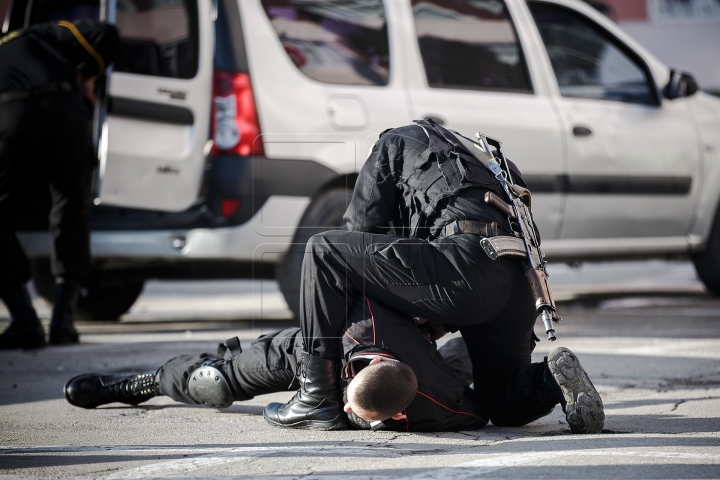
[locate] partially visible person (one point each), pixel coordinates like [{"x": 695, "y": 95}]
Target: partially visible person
[{"x": 46, "y": 82}]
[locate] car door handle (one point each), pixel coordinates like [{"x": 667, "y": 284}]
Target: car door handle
[{"x": 579, "y": 131}]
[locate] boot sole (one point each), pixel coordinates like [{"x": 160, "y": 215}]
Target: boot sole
[
  {"x": 308, "y": 425},
  {"x": 584, "y": 411}
]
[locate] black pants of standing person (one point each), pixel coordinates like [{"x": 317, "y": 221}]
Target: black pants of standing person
[
  {"x": 449, "y": 280},
  {"x": 45, "y": 139}
]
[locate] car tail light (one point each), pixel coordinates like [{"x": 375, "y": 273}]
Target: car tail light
[
  {"x": 228, "y": 206},
  {"x": 235, "y": 125}
]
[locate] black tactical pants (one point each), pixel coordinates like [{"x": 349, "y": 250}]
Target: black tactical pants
[
  {"x": 449, "y": 280},
  {"x": 46, "y": 139}
]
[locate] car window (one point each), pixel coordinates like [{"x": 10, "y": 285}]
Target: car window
[
  {"x": 334, "y": 41},
  {"x": 158, "y": 37},
  {"x": 470, "y": 44},
  {"x": 588, "y": 62}
]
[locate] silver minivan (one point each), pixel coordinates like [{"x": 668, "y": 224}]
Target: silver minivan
[{"x": 234, "y": 130}]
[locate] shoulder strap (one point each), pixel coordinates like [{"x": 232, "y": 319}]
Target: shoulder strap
[
  {"x": 86, "y": 45},
  {"x": 10, "y": 36}
]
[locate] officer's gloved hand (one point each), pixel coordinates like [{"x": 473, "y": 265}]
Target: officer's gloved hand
[{"x": 432, "y": 330}]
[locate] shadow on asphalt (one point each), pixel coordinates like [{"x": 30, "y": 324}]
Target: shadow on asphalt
[{"x": 595, "y": 445}]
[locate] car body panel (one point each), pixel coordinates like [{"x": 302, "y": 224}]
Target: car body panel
[{"x": 159, "y": 164}]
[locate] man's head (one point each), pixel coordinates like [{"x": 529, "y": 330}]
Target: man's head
[{"x": 381, "y": 390}]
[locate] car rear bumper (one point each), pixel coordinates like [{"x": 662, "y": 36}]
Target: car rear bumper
[{"x": 264, "y": 238}]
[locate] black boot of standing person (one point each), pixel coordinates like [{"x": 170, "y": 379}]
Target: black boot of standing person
[
  {"x": 62, "y": 328},
  {"x": 317, "y": 405},
  {"x": 25, "y": 330}
]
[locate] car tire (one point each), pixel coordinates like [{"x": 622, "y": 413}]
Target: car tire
[
  {"x": 707, "y": 262},
  {"x": 104, "y": 295},
  {"x": 324, "y": 213}
]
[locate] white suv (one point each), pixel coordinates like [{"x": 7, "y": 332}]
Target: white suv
[{"x": 235, "y": 129}]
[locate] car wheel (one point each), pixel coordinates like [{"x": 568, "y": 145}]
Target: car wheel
[
  {"x": 324, "y": 213},
  {"x": 707, "y": 263},
  {"x": 104, "y": 296}
]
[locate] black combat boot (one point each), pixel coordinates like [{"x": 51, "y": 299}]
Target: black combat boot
[
  {"x": 317, "y": 405},
  {"x": 25, "y": 330},
  {"x": 580, "y": 400},
  {"x": 62, "y": 329},
  {"x": 92, "y": 389}
]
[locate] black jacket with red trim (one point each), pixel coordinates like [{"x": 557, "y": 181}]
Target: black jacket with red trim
[{"x": 442, "y": 402}]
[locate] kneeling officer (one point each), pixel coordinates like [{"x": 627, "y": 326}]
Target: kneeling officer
[{"x": 45, "y": 137}]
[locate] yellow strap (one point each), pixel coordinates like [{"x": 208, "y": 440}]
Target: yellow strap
[
  {"x": 86, "y": 46},
  {"x": 9, "y": 37}
]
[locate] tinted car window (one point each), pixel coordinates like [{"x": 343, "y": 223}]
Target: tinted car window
[
  {"x": 588, "y": 62},
  {"x": 470, "y": 44},
  {"x": 158, "y": 37},
  {"x": 334, "y": 41}
]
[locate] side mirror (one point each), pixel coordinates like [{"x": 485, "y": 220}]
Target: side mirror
[{"x": 680, "y": 85}]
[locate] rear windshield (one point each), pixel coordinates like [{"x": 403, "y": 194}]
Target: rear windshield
[
  {"x": 334, "y": 41},
  {"x": 158, "y": 37}
]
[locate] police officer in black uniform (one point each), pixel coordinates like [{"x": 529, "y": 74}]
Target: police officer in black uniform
[
  {"x": 45, "y": 137},
  {"x": 414, "y": 227}
]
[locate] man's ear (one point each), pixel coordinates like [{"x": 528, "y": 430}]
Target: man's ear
[
  {"x": 375, "y": 360},
  {"x": 399, "y": 416},
  {"x": 347, "y": 408}
]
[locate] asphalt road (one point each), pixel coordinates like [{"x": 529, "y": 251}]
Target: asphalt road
[{"x": 645, "y": 332}]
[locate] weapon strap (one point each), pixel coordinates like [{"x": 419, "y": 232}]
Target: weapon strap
[
  {"x": 86, "y": 45},
  {"x": 477, "y": 151}
]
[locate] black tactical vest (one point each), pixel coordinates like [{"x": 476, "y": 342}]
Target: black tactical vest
[{"x": 441, "y": 172}]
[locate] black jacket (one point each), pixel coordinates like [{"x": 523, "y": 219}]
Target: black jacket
[
  {"x": 49, "y": 53},
  {"x": 384, "y": 202},
  {"x": 443, "y": 402}
]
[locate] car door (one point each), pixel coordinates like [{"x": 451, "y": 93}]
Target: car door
[
  {"x": 326, "y": 77},
  {"x": 158, "y": 117},
  {"x": 471, "y": 67},
  {"x": 155, "y": 119},
  {"x": 632, "y": 158}
]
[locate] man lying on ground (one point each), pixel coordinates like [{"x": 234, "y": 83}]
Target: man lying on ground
[{"x": 396, "y": 377}]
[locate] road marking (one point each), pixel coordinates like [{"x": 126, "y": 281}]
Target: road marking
[
  {"x": 476, "y": 468},
  {"x": 213, "y": 457}
]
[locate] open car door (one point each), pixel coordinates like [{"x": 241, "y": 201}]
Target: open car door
[
  {"x": 153, "y": 121},
  {"x": 158, "y": 104}
]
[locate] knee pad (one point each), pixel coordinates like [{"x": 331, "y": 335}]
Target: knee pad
[{"x": 209, "y": 386}]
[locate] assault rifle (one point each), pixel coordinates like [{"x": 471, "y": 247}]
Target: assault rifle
[{"x": 521, "y": 222}]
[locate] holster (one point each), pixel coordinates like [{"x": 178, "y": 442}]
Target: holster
[{"x": 496, "y": 247}]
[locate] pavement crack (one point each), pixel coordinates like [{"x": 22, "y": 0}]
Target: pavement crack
[{"x": 677, "y": 405}]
